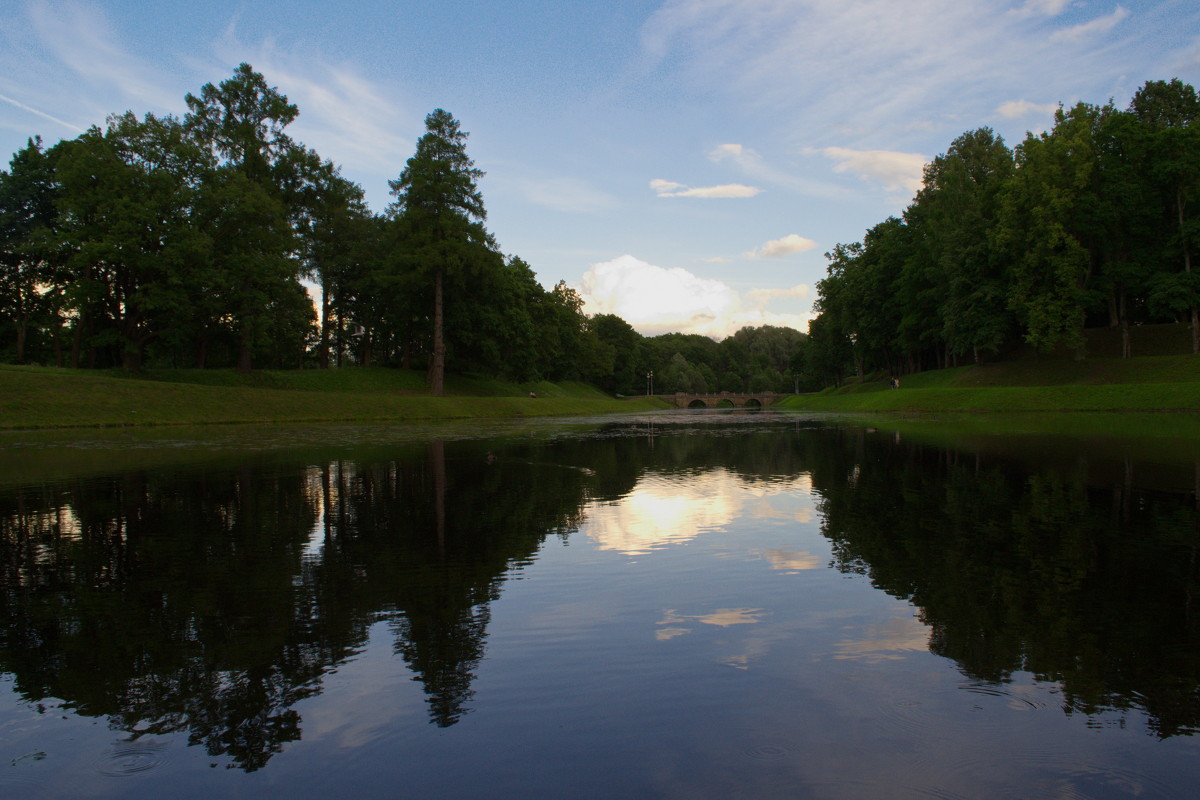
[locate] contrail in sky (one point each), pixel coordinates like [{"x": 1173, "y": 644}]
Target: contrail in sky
[{"x": 31, "y": 110}]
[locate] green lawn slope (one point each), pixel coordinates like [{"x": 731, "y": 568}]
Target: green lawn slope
[
  {"x": 39, "y": 397},
  {"x": 1151, "y": 383}
]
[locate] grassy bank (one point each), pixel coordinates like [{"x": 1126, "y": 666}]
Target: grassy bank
[
  {"x": 1153, "y": 383},
  {"x": 35, "y": 397}
]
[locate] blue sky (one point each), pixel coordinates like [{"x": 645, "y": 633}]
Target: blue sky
[{"x": 684, "y": 164}]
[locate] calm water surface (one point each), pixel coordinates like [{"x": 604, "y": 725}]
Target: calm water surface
[{"x": 678, "y": 605}]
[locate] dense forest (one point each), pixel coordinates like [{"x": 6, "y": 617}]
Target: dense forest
[
  {"x": 165, "y": 242},
  {"x": 1091, "y": 223}
]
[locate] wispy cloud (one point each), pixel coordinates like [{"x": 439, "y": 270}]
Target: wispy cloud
[
  {"x": 892, "y": 170},
  {"x": 751, "y": 164},
  {"x": 81, "y": 38},
  {"x": 1087, "y": 30},
  {"x": 664, "y": 188},
  {"x": 861, "y": 75},
  {"x": 1043, "y": 8},
  {"x": 344, "y": 115},
  {"x": 41, "y": 114}
]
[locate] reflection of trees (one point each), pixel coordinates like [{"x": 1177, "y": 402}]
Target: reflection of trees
[
  {"x": 164, "y": 609},
  {"x": 212, "y": 604},
  {"x": 178, "y": 603},
  {"x": 1090, "y": 585}
]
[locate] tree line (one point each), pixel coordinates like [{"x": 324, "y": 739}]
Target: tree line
[
  {"x": 1091, "y": 223},
  {"x": 185, "y": 242}
]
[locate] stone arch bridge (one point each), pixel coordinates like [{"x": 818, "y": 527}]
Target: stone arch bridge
[{"x": 722, "y": 399}]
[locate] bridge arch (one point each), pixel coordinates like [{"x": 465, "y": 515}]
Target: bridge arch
[{"x": 722, "y": 400}]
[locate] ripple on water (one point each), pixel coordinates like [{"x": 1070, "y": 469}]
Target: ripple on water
[
  {"x": 945, "y": 712},
  {"x": 133, "y": 756},
  {"x": 768, "y": 752}
]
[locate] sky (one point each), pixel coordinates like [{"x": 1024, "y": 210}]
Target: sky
[{"x": 684, "y": 164}]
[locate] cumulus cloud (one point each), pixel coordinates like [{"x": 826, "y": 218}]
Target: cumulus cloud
[
  {"x": 786, "y": 246},
  {"x": 1096, "y": 27},
  {"x": 1015, "y": 109},
  {"x": 656, "y": 300},
  {"x": 671, "y": 189},
  {"x": 891, "y": 169}
]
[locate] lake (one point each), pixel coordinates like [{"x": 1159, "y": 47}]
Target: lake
[{"x": 669, "y": 605}]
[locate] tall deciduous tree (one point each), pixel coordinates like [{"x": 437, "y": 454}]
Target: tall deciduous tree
[
  {"x": 1170, "y": 113},
  {"x": 961, "y": 199},
  {"x": 126, "y": 221},
  {"x": 440, "y": 214},
  {"x": 243, "y": 120},
  {"x": 27, "y": 214},
  {"x": 1051, "y": 224}
]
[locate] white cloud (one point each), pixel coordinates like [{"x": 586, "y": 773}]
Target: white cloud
[
  {"x": 891, "y": 169},
  {"x": 663, "y": 187},
  {"x": 1100, "y": 25},
  {"x": 786, "y": 246},
  {"x": 1016, "y": 109},
  {"x": 671, "y": 189},
  {"x": 1043, "y": 8},
  {"x": 657, "y": 300}
]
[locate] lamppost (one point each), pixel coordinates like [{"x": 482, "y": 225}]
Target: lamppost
[{"x": 650, "y": 382}]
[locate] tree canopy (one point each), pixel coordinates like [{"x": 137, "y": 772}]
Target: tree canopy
[
  {"x": 158, "y": 241},
  {"x": 1087, "y": 224}
]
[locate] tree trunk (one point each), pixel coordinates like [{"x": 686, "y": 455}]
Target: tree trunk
[
  {"x": 338, "y": 346},
  {"x": 76, "y": 343},
  {"x": 244, "y": 364},
  {"x": 201, "y": 352},
  {"x": 323, "y": 349},
  {"x": 1187, "y": 266},
  {"x": 437, "y": 365},
  {"x": 1126, "y": 345},
  {"x": 22, "y": 332},
  {"x": 131, "y": 357},
  {"x": 365, "y": 359}
]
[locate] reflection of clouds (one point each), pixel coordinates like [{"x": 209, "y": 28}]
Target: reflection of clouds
[
  {"x": 663, "y": 510},
  {"x": 887, "y": 641},
  {"x": 722, "y": 618},
  {"x": 792, "y": 560}
]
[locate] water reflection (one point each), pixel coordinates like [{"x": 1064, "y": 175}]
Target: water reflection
[{"x": 209, "y": 604}]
